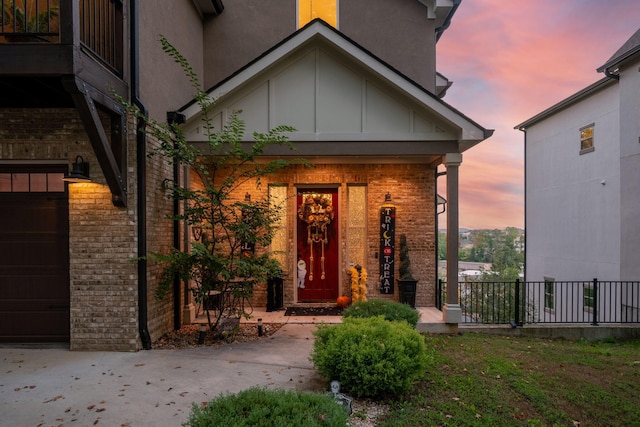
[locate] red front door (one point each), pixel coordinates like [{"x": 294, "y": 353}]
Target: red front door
[{"x": 317, "y": 246}]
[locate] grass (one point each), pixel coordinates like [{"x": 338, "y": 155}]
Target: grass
[{"x": 480, "y": 380}]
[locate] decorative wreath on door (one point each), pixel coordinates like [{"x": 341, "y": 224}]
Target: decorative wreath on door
[{"x": 317, "y": 211}]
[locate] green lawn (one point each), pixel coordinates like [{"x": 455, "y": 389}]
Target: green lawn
[{"x": 481, "y": 380}]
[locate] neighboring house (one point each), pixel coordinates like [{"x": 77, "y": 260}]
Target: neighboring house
[
  {"x": 358, "y": 81},
  {"x": 582, "y": 181}
]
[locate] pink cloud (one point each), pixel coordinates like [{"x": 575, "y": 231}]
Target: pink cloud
[{"x": 510, "y": 61}]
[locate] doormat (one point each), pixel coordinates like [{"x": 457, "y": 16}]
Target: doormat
[{"x": 313, "y": 311}]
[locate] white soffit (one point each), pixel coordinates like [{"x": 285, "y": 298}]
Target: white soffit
[{"x": 330, "y": 89}]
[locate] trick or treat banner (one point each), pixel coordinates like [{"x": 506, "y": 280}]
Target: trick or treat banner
[{"x": 387, "y": 247}]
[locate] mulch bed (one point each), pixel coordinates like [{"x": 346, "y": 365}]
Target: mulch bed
[
  {"x": 187, "y": 336},
  {"x": 313, "y": 311}
]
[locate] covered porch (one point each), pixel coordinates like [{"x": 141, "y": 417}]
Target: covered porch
[{"x": 364, "y": 126}]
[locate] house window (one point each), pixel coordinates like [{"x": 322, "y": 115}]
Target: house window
[
  {"x": 586, "y": 139},
  {"x": 588, "y": 298},
  {"x": 549, "y": 293},
  {"x": 278, "y": 199},
  {"x": 308, "y": 10},
  {"x": 31, "y": 182},
  {"x": 356, "y": 224}
]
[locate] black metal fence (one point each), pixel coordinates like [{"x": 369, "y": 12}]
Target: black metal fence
[{"x": 519, "y": 303}]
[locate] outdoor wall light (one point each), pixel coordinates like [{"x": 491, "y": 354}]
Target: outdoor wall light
[
  {"x": 387, "y": 197},
  {"x": 173, "y": 117},
  {"x": 79, "y": 172}
]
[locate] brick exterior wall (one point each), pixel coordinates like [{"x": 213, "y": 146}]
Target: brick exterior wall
[
  {"x": 159, "y": 240},
  {"x": 102, "y": 237}
]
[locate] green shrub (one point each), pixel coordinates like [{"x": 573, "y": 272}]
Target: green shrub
[
  {"x": 261, "y": 407},
  {"x": 370, "y": 357},
  {"x": 391, "y": 310}
]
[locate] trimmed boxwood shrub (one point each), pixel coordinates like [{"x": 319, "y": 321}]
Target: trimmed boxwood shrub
[
  {"x": 371, "y": 357},
  {"x": 391, "y": 310},
  {"x": 262, "y": 407}
]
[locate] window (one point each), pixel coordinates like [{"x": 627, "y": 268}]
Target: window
[
  {"x": 308, "y": 10},
  {"x": 278, "y": 199},
  {"x": 17, "y": 182},
  {"x": 357, "y": 224},
  {"x": 549, "y": 293},
  {"x": 586, "y": 139}
]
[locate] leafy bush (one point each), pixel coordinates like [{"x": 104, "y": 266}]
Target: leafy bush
[
  {"x": 391, "y": 310},
  {"x": 258, "y": 406},
  {"x": 370, "y": 357}
]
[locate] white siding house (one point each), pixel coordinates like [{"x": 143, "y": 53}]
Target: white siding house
[
  {"x": 573, "y": 194},
  {"x": 582, "y": 211},
  {"x": 582, "y": 183}
]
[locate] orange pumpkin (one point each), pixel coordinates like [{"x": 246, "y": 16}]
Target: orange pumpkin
[{"x": 343, "y": 301}]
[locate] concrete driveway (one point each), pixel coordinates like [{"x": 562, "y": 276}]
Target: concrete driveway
[{"x": 56, "y": 387}]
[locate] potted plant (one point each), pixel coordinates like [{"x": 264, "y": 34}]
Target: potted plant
[{"x": 407, "y": 283}]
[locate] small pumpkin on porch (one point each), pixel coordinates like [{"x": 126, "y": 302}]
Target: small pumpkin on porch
[{"x": 343, "y": 301}]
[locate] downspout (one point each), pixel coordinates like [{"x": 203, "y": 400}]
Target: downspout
[
  {"x": 437, "y": 214},
  {"x": 437, "y": 225},
  {"x": 610, "y": 75},
  {"x": 141, "y": 166},
  {"x": 174, "y": 117},
  {"x": 447, "y": 21},
  {"x": 176, "y": 244}
]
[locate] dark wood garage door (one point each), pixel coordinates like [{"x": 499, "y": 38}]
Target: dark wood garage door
[{"x": 34, "y": 255}]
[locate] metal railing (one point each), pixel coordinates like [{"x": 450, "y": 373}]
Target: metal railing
[
  {"x": 30, "y": 20},
  {"x": 100, "y": 24},
  {"x": 517, "y": 303},
  {"x": 101, "y": 30}
]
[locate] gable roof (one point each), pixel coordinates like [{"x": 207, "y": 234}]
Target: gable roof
[
  {"x": 318, "y": 71},
  {"x": 627, "y": 50},
  {"x": 630, "y": 48}
]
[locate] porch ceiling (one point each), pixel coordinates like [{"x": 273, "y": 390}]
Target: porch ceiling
[{"x": 342, "y": 101}]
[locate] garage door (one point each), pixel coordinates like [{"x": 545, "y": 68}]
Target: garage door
[{"x": 34, "y": 254}]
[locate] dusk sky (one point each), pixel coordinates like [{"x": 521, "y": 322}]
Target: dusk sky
[{"x": 510, "y": 60}]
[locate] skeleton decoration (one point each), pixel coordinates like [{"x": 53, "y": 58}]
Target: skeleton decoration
[{"x": 317, "y": 211}]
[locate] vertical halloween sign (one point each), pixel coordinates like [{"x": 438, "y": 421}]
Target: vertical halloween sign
[{"x": 387, "y": 247}]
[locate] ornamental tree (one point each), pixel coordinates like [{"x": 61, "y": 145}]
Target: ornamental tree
[{"x": 229, "y": 256}]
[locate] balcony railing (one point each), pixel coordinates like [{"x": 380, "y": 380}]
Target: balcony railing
[
  {"x": 517, "y": 303},
  {"x": 30, "y": 21},
  {"x": 101, "y": 30},
  {"x": 100, "y": 24}
]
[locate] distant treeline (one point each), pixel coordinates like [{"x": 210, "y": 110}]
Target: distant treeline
[{"x": 503, "y": 249}]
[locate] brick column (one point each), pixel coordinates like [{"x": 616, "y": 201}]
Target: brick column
[{"x": 451, "y": 310}]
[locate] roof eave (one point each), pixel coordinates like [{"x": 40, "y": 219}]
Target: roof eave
[
  {"x": 615, "y": 62},
  {"x": 567, "y": 102}
]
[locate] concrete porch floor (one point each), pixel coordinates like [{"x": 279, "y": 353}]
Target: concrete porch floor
[
  {"x": 431, "y": 319},
  {"x": 432, "y": 322}
]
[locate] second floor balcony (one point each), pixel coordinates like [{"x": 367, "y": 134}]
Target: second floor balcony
[
  {"x": 70, "y": 54},
  {"x": 48, "y": 39}
]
